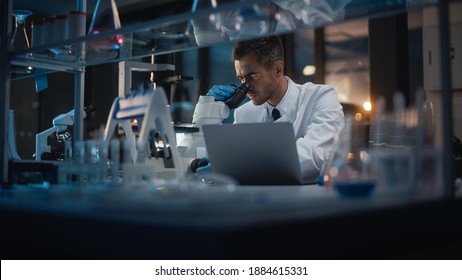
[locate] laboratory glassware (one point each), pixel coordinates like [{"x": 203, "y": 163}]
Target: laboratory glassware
[
  {"x": 348, "y": 167},
  {"x": 99, "y": 24},
  {"x": 20, "y": 40}
]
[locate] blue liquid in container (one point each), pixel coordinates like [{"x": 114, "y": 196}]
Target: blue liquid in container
[{"x": 355, "y": 189}]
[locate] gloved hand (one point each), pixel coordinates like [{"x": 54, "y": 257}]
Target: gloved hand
[
  {"x": 204, "y": 169},
  {"x": 200, "y": 165},
  {"x": 221, "y": 92}
]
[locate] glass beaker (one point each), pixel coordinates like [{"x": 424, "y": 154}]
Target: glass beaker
[
  {"x": 20, "y": 39},
  {"x": 348, "y": 168}
]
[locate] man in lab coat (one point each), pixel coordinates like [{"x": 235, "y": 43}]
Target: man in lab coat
[{"x": 313, "y": 109}]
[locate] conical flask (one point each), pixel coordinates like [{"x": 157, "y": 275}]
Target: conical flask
[
  {"x": 348, "y": 168},
  {"x": 20, "y": 40}
]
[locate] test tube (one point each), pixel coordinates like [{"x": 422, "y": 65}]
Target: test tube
[
  {"x": 80, "y": 161},
  {"x": 68, "y": 152},
  {"x": 377, "y": 135},
  {"x": 115, "y": 159},
  {"x": 91, "y": 161},
  {"x": 127, "y": 156},
  {"x": 103, "y": 161},
  {"x": 399, "y": 116}
]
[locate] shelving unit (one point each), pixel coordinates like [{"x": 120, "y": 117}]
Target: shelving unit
[{"x": 175, "y": 33}]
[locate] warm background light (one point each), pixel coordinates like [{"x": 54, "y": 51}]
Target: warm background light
[
  {"x": 367, "y": 106},
  {"x": 309, "y": 70}
]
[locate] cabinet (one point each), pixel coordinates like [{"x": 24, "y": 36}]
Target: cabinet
[
  {"x": 432, "y": 64},
  {"x": 173, "y": 33}
]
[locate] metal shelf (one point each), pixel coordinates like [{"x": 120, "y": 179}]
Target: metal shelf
[{"x": 222, "y": 24}]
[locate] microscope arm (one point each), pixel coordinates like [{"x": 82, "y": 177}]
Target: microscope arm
[{"x": 65, "y": 120}]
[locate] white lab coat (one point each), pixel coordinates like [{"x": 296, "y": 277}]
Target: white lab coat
[{"x": 317, "y": 117}]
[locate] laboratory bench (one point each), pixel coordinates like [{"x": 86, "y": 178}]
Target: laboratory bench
[{"x": 224, "y": 222}]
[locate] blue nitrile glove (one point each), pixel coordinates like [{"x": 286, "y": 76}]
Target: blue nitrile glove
[
  {"x": 198, "y": 165},
  {"x": 204, "y": 169},
  {"x": 203, "y": 166},
  {"x": 221, "y": 92}
]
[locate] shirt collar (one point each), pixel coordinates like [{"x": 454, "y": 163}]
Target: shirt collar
[{"x": 285, "y": 104}]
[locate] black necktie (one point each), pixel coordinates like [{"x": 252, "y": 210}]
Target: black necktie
[{"x": 276, "y": 114}]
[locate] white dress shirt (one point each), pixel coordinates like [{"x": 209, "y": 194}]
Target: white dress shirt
[{"x": 317, "y": 117}]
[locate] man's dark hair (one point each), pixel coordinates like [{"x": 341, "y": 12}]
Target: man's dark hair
[{"x": 268, "y": 50}]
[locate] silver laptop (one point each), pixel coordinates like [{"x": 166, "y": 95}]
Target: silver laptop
[{"x": 254, "y": 153}]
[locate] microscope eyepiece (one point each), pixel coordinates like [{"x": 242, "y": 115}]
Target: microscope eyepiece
[{"x": 239, "y": 95}]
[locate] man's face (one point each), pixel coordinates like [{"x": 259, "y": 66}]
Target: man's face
[{"x": 262, "y": 81}]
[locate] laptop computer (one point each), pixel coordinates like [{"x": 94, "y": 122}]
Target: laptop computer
[{"x": 254, "y": 153}]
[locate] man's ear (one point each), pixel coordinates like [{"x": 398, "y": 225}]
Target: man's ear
[{"x": 279, "y": 68}]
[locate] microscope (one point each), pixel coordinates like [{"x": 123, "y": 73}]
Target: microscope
[
  {"x": 52, "y": 148},
  {"x": 208, "y": 111}
]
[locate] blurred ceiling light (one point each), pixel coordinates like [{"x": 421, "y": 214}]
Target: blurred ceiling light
[
  {"x": 367, "y": 106},
  {"x": 309, "y": 70}
]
